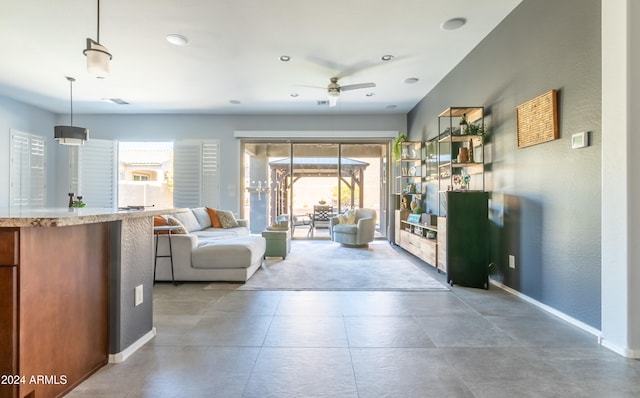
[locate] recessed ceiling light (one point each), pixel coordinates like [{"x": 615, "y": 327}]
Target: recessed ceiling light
[
  {"x": 235, "y": 102},
  {"x": 294, "y": 95},
  {"x": 410, "y": 80},
  {"x": 370, "y": 94},
  {"x": 391, "y": 106},
  {"x": 285, "y": 58},
  {"x": 453, "y": 24},
  {"x": 177, "y": 40},
  {"x": 387, "y": 57}
]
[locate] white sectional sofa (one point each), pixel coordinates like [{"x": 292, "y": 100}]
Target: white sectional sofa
[{"x": 205, "y": 253}]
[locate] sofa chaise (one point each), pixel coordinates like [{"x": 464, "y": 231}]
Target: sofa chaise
[{"x": 202, "y": 252}]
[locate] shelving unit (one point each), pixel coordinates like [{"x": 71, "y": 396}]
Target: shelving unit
[
  {"x": 417, "y": 165},
  {"x": 461, "y": 154},
  {"x": 409, "y": 172},
  {"x": 462, "y": 238}
]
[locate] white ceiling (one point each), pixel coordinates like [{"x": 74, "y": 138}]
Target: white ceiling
[{"x": 233, "y": 53}]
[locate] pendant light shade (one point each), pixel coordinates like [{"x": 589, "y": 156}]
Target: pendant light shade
[
  {"x": 97, "y": 59},
  {"x": 70, "y": 135},
  {"x": 98, "y": 56}
]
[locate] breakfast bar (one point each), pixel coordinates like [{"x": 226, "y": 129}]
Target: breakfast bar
[{"x": 75, "y": 293}]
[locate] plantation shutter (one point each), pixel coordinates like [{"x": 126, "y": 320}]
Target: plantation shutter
[
  {"x": 27, "y": 186},
  {"x": 195, "y": 174},
  {"x": 97, "y": 181},
  {"x": 210, "y": 176}
]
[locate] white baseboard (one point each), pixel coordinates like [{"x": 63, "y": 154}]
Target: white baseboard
[
  {"x": 590, "y": 329},
  {"x": 624, "y": 351},
  {"x": 127, "y": 352}
]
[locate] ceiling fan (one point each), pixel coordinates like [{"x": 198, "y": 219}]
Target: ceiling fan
[{"x": 334, "y": 89}]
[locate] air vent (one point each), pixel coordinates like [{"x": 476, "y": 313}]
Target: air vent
[
  {"x": 323, "y": 102},
  {"x": 116, "y": 101}
]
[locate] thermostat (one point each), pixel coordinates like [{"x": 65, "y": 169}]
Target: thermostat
[{"x": 580, "y": 140}]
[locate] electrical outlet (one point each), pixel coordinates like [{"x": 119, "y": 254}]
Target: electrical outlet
[
  {"x": 139, "y": 295},
  {"x": 512, "y": 261}
]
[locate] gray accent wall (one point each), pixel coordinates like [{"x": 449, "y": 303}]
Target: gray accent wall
[{"x": 545, "y": 206}]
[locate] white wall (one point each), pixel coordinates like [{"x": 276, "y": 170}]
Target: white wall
[
  {"x": 29, "y": 119},
  {"x": 620, "y": 187},
  {"x": 176, "y": 127}
]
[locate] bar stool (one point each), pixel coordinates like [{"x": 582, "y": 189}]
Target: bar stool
[{"x": 158, "y": 230}]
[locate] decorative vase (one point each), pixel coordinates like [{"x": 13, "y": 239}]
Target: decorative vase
[
  {"x": 414, "y": 204},
  {"x": 463, "y": 155}
]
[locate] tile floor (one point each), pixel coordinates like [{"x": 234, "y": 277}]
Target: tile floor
[{"x": 461, "y": 343}]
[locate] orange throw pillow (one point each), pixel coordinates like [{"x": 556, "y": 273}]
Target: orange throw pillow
[
  {"x": 213, "y": 215},
  {"x": 159, "y": 221}
]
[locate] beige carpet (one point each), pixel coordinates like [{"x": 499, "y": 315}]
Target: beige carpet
[{"x": 326, "y": 265}]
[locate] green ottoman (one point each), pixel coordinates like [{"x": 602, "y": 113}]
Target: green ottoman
[{"x": 278, "y": 243}]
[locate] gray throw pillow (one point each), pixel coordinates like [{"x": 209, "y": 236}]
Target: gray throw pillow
[
  {"x": 189, "y": 220},
  {"x": 176, "y": 223},
  {"x": 227, "y": 219}
]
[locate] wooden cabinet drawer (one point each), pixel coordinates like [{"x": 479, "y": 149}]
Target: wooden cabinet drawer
[
  {"x": 423, "y": 248},
  {"x": 9, "y": 247}
]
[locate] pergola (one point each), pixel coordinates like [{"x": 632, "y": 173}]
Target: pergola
[{"x": 285, "y": 172}]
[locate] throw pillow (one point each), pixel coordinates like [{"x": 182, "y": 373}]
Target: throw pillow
[
  {"x": 176, "y": 223},
  {"x": 202, "y": 216},
  {"x": 351, "y": 216},
  {"x": 215, "y": 220},
  {"x": 188, "y": 220},
  {"x": 159, "y": 221},
  {"x": 227, "y": 219},
  {"x": 348, "y": 217}
]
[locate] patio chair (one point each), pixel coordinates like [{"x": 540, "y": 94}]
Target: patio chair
[
  {"x": 300, "y": 220},
  {"x": 321, "y": 216}
]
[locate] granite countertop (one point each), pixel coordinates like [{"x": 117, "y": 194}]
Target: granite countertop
[{"x": 62, "y": 216}]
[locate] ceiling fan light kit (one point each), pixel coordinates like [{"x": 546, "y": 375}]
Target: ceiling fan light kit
[
  {"x": 334, "y": 89},
  {"x": 98, "y": 56}
]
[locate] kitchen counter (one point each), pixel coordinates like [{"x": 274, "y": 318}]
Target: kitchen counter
[
  {"x": 60, "y": 217},
  {"x": 75, "y": 293}
]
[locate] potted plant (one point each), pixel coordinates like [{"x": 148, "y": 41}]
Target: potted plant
[
  {"x": 474, "y": 129},
  {"x": 397, "y": 147}
]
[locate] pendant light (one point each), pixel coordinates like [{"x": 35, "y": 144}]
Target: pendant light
[
  {"x": 70, "y": 135},
  {"x": 98, "y": 56}
]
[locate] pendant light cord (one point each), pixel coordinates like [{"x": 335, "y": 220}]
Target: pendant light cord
[
  {"x": 71, "y": 80},
  {"x": 98, "y": 35}
]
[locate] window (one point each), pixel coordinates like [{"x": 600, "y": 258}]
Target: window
[
  {"x": 140, "y": 177},
  {"x": 160, "y": 174},
  {"x": 28, "y": 164},
  {"x": 145, "y": 171}
]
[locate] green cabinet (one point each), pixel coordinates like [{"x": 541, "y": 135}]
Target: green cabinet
[{"x": 463, "y": 238}]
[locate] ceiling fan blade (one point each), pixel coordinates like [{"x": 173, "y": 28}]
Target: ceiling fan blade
[
  {"x": 356, "y": 86},
  {"x": 307, "y": 86}
]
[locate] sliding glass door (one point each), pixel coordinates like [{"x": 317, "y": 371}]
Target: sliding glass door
[{"x": 308, "y": 182}]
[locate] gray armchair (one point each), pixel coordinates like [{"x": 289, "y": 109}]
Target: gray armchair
[{"x": 358, "y": 234}]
